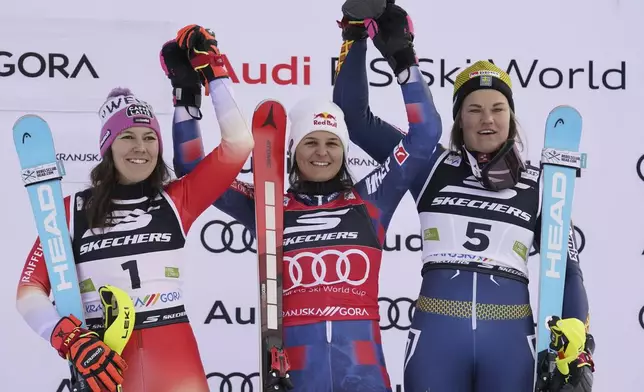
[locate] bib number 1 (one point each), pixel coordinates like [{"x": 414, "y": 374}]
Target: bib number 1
[{"x": 133, "y": 269}]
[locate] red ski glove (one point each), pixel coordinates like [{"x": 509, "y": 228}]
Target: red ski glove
[
  {"x": 98, "y": 364},
  {"x": 203, "y": 53}
]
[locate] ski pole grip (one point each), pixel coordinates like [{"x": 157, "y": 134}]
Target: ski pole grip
[{"x": 78, "y": 383}]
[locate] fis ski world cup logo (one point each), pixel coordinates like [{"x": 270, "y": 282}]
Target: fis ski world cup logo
[{"x": 325, "y": 119}]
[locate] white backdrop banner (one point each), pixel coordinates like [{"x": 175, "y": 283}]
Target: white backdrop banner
[{"x": 588, "y": 55}]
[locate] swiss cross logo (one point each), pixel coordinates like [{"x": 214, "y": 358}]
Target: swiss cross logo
[{"x": 401, "y": 154}]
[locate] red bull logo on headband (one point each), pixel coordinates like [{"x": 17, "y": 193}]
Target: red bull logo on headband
[{"x": 325, "y": 119}]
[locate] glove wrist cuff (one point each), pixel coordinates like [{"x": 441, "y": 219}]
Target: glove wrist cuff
[
  {"x": 402, "y": 59},
  {"x": 65, "y": 333},
  {"x": 187, "y": 96},
  {"x": 355, "y": 31},
  {"x": 210, "y": 65},
  {"x": 585, "y": 359}
]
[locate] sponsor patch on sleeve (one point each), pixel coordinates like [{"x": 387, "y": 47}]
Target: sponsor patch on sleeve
[{"x": 400, "y": 153}]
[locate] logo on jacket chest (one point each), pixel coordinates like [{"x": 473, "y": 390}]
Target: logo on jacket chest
[
  {"x": 471, "y": 194},
  {"x": 323, "y": 249},
  {"x": 127, "y": 227},
  {"x": 321, "y": 226}
]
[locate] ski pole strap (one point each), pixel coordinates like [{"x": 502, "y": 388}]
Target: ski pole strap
[
  {"x": 574, "y": 159},
  {"x": 45, "y": 172},
  {"x": 78, "y": 383}
]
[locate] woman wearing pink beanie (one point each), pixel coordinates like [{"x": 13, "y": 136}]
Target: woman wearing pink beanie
[{"x": 128, "y": 230}]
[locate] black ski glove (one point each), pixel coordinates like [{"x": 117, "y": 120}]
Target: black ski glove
[
  {"x": 201, "y": 45},
  {"x": 355, "y": 12},
  {"x": 186, "y": 84},
  {"x": 390, "y": 29}
]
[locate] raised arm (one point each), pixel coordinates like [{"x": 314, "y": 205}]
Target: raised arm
[
  {"x": 236, "y": 201},
  {"x": 385, "y": 186},
  {"x": 393, "y": 37},
  {"x": 213, "y": 177},
  {"x": 351, "y": 93}
]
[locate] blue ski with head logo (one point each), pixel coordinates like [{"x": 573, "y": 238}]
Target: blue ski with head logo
[
  {"x": 562, "y": 163},
  {"x": 41, "y": 175}
]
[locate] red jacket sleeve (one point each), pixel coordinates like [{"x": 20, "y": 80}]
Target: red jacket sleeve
[
  {"x": 32, "y": 296},
  {"x": 34, "y": 272},
  {"x": 197, "y": 190}
]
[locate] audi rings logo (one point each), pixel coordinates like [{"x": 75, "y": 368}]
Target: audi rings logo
[
  {"x": 396, "y": 313},
  {"x": 218, "y": 236},
  {"x": 640, "y": 168},
  {"x": 308, "y": 269},
  {"x": 580, "y": 240},
  {"x": 232, "y": 382}
]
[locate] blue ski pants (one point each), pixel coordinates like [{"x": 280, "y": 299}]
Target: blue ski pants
[
  {"x": 471, "y": 332},
  {"x": 336, "y": 356}
]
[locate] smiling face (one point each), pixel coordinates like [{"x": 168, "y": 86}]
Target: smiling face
[
  {"x": 135, "y": 152},
  {"x": 319, "y": 156},
  {"x": 485, "y": 120}
]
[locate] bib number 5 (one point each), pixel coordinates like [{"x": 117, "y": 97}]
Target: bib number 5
[{"x": 476, "y": 232}]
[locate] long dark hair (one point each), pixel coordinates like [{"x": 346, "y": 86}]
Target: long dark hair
[
  {"x": 104, "y": 178},
  {"x": 341, "y": 182}
]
